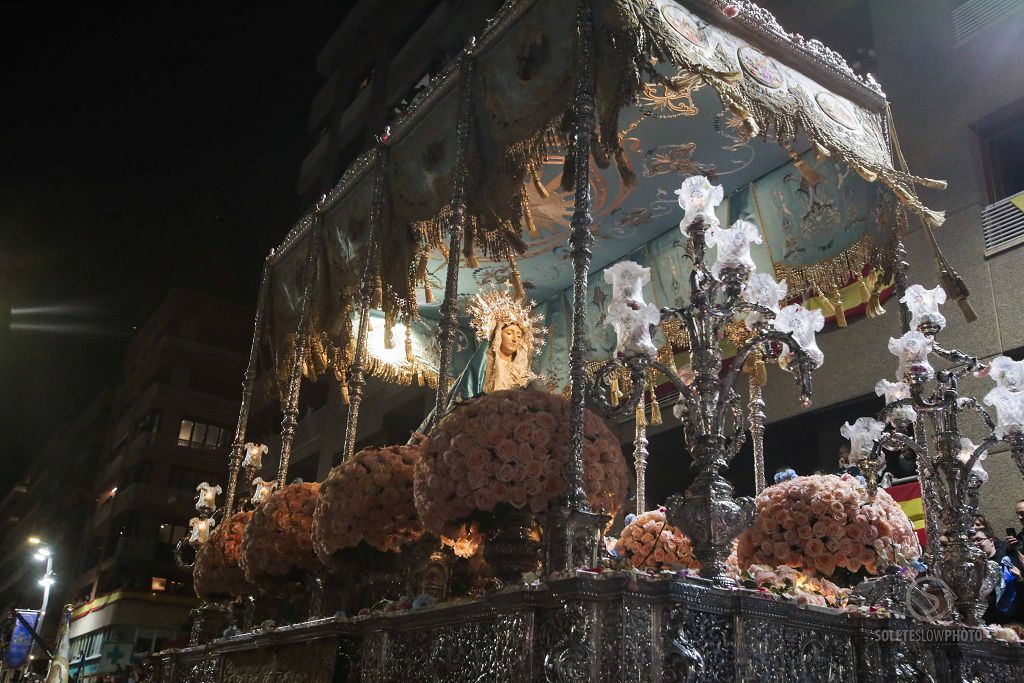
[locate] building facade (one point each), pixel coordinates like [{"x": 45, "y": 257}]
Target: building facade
[{"x": 172, "y": 420}]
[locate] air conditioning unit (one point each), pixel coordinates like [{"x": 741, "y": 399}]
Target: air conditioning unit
[
  {"x": 973, "y": 15},
  {"x": 1002, "y": 224}
]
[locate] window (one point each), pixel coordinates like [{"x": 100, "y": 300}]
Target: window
[
  {"x": 194, "y": 434},
  {"x": 1003, "y": 153},
  {"x": 149, "y": 423},
  {"x": 157, "y": 583}
]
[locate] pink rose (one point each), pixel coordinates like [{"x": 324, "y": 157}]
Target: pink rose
[
  {"x": 532, "y": 487},
  {"x": 494, "y": 437},
  {"x": 814, "y": 547},
  {"x": 476, "y": 478},
  {"x": 484, "y": 500},
  {"x": 523, "y": 432},
  {"x": 517, "y": 496},
  {"x": 507, "y": 450},
  {"x": 505, "y": 473},
  {"x": 499, "y": 490}
]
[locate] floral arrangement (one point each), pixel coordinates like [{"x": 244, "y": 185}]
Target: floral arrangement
[
  {"x": 785, "y": 581},
  {"x": 824, "y": 522},
  {"x": 278, "y": 541},
  {"x": 368, "y": 499},
  {"x": 650, "y": 542},
  {"x": 217, "y": 573},
  {"x": 512, "y": 447}
]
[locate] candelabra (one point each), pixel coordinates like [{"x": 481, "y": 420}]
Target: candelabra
[
  {"x": 708, "y": 405},
  {"x": 923, "y": 414},
  {"x": 201, "y": 525}
]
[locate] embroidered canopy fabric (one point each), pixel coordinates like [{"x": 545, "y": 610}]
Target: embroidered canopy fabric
[{"x": 682, "y": 88}]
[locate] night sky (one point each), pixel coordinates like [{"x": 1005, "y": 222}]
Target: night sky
[{"x": 142, "y": 146}]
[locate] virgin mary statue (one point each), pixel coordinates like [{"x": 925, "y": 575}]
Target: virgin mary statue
[{"x": 507, "y": 333}]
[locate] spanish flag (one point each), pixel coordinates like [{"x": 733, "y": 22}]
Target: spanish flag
[{"x": 908, "y": 495}]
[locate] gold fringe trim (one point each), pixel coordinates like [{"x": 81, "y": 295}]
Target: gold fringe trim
[
  {"x": 835, "y": 272},
  {"x": 400, "y": 374}
]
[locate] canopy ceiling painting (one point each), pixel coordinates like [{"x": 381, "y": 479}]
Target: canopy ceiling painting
[{"x": 681, "y": 90}]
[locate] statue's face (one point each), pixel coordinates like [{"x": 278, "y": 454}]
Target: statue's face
[{"x": 511, "y": 338}]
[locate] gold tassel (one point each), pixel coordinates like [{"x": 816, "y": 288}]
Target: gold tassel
[
  {"x": 808, "y": 173},
  {"x": 538, "y": 184},
  {"x": 517, "y": 281},
  {"x": 874, "y": 308},
  {"x": 867, "y": 175},
  {"x": 929, "y": 182},
  {"x": 378, "y": 294},
  {"x": 760, "y": 374},
  {"x": 408, "y": 345},
  {"x": 344, "y": 390},
  {"x": 956, "y": 289},
  {"x": 826, "y": 306},
  {"x": 655, "y": 409},
  {"x": 531, "y": 228},
  {"x": 863, "y": 293},
  {"x": 428, "y": 294},
  {"x": 389, "y": 335},
  {"x": 820, "y": 153},
  {"x": 421, "y": 268},
  {"x": 641, "y": 415},
  {"x": 614, "y": 391},
  {"x": 837, "y": 300}
]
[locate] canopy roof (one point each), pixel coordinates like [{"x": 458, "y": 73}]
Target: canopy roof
[{"x": 681, "y": 89}]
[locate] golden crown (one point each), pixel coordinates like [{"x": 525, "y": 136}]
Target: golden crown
[{"x": 499, "y": 306}]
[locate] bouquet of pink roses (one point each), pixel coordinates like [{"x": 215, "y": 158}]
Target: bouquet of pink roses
[
  {"x": 650, "y": 542},
  {"x": 823, "y": 522},
  {"x": 368, "y": 499},
  {"x": 512, "y": 447},
  {"x": 278, "y": 541},
  {"x": 217, "y": 574}
]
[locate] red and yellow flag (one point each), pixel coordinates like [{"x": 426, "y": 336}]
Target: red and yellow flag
[{"x": 909, "y": 497}]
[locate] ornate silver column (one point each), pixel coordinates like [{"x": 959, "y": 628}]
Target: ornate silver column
[
  {"x": 755, "y": 409},
  {"x": 572, "y": 533},
  {"x": 456, "y": 227},
  {"x": 357, "y": 379},
  {"x": 291, "y": 410},
  {"x": 640, "y": 463},
  {"x": 248, "y": 379}
]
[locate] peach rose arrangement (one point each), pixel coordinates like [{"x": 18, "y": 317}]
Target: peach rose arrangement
[
  {"x": 650, "y": 542},
  {"x": 217, "y": 574},
  {"x": 368, "y": 499},
  {"x": 791, "y": 583},
  {"x": 278, "y": 542},
  {"x": 822, "y": 523},
  {"x": 512, "y": 447}
]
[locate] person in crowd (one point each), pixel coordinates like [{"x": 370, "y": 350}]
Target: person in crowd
[
  {"x": 981, "y": 524},
  {"x": 1015, "y": 542},
  {"x": 1005, "y": 601}
]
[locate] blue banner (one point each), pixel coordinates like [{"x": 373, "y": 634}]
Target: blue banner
[{"x": 21, "y": 639}]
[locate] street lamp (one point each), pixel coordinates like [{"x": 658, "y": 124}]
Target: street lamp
[{"x": 42, "y": 553}]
